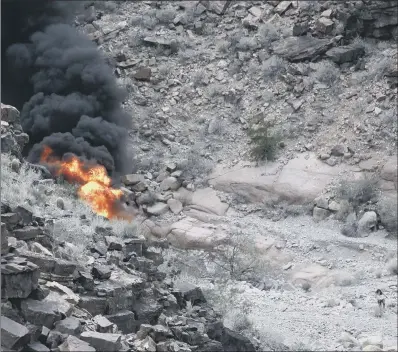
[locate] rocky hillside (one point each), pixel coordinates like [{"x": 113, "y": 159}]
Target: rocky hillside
[{"x": 262, "y": 177}]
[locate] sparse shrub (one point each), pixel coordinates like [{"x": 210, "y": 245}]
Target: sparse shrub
[
  {"x": 358, "y": 192},
  {"x": 387, "y": 211},
  {"x": 380, "y": 67},
  {"x": 350, "y": 228},
  {"x": 267, "y": 33},
  {"x": 15, "y": 165},
  {"x": 344, "y": 279},
  {"x": 166, "y": 16},
  {"x": 240, "y": 322},
  {"x": 273, "y": 68},
  {"x": 60, "y": 203},
  {"x": 306, "y": 286},
  {"x": 239, "y": 259},
  {"x": 327, "y": 73},
  {"x": 378, "y": 274},
  {"x": 265, "y": 141},
  {"x": 195, "y": 166},
  {"x": 392, "y": 266}
]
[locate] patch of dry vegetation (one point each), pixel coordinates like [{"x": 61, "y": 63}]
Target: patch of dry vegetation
[{"x": 74, "y": 222}]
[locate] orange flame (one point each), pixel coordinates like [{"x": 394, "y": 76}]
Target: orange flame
[{"x": 95, "y": 184}]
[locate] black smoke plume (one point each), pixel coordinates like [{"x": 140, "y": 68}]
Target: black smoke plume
[{"x": 59, "y": 80}]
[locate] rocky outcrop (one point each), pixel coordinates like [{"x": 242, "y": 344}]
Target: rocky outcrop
[{"x": 13, "y": 139}]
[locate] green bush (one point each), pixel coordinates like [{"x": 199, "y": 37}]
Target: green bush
[{"x": 265, "y": 142}]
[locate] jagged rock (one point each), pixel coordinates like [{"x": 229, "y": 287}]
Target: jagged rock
[
  {"x": 157, "y": 332},
  {"x": 9, "y": 114},
  {"x": 4, "y": 239},
  {"x": 139, "y": 187},
  {"x": 124, "y": 320},
  {"x": 301, "y": 48},
  {"x": 73, "y": 344},
  {"x": 13, "y": 335},
  {"x": 27, "y": 233},
  {"x": 145, "y": 345},
  {"x": 184, "y": 291},
  {"x": 134, "y": 244},
  {"x": 158, "y": 41},
  {"x": 101, "y": 341},
  {"x": 320, "y": 213},
  {"x": 147, "y": 311},
  {"x": 37, "y": 347},
  {"x": 101, "y": 272},
  {"x": 86, "y": 280},
  {"x": 50, "y": 265},
  {"x": 211, "y": 346},
  {"x": 367, "y": 223},
  {"x": 25, "y": 215},
  {"x": 114, "y": 243},
  {"x": 155, "y": 254},
  {"x": 94, "y": 305},
  {"x": 64, "y": 291},
  {"x": 38, "y": 248},
  {"x": 103, "y": 324},
  {"x": 282, "y": 7},
  {"x": 10, "y": 219},
  {"x": 132, "y": 179},
  {"x": 55, "y": 338},
  {"x": 173, "y": 346},
  {"x": 158, "y": 209},
  {"x": 18, "y": 277},
  {"x": 192, "y": 333},
  {"x": 46, "y": 312},
  {"x": 300, "y": 28},
  {"x": 347, "y": 53},
  {"x": 143, "y": 74},
  {"x": 233, "y": 341},
  {"x": 170, "y": 183},
  {"x": 69, "y": 326},
  {"x": 324, "y": 25}
]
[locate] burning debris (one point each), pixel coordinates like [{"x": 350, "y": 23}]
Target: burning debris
[{"x": 95, "y": 184}]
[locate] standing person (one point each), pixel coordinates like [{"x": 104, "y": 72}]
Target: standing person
[{"x": 381, "y": 299}]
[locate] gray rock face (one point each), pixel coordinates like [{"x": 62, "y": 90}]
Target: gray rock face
[
  {"x": 69, "y": 326},
  {"x": 13, "y": 335},
  {"x": 124, "y": 320},
  {"x": 46, "y": 312},
  {"x": 4, "y": 239},
  {"x": 73, "y": 344},
  {"x": 367, "y": 223},
  {"x": 101, "y": 341},
  {"x": 347, "y": 53},
  {"x": 18, "y": 277},
  {"x": 320, "y": 213},
  {"x": 301, "y": 48},
  {"x": 185, "y": 291},
  {"x": 37, "y": 347},
  {"x": 27, "y": 233}
]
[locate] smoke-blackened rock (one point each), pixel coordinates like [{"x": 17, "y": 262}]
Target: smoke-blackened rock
[{"x": 67, "y": 93}]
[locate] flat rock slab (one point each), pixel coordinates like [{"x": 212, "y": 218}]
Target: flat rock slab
[
  {"x": 190, "y": 233},
  {"x": 73, "y": 344},
  {"x": 13, "y": 334},
  {"x": 301, "y": 48},
  {"x": 46, "y": 312},
  {"x": 19, "y": 277},
  {"x": 206, "y": 200},
  {"x": 102, "y": 341},
  {"x": 300, "y": 180}
]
